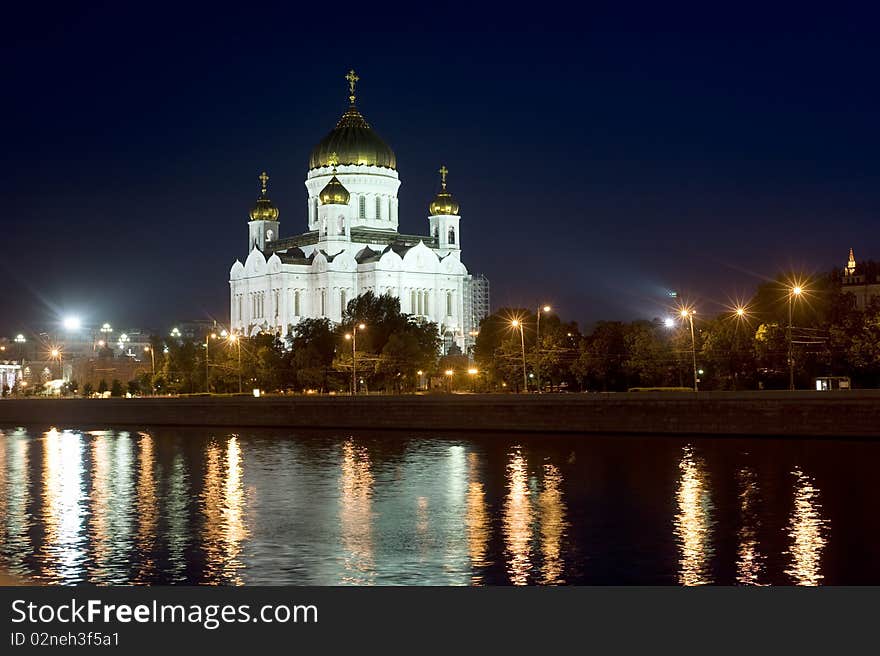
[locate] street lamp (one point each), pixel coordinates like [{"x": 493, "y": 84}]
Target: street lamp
[
  {"x": 235, "y": 339},
  {"x": 55, "y": 354},
  {"x": 449, "y": 374},
  {"x": 472, "y": 372},
  {"x": 687, "y": 313},
  {"x": 794, "y": 292},
  {"x": 544, "y": 309},
  {"x": 516, "y": 323},
  {"x": 71, "y": 323},
  {"x": 20, "y": 340},
  {"x": 207, "y": 366},
  {"x": 353, "y": 337},
  {"x": 149, "y": 350}
]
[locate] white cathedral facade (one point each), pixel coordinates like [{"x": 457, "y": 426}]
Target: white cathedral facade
[{"x": 352, "y": 245}]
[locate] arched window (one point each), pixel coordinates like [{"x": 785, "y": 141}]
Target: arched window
[
  {"x": 342, "y": 300},
  {"x": 323, "y": 303},
  {"x": 362, "y": 207},
  {"x": 270, "y": 235},
  {"x": 340, "y": 225},
  {"x": 451, "y": 238},
  {"x": 448, "y": 304},
  {"x": 378, "y": 207},
  {"x": 296, "y": 311},
  {"x": 412, "y": 302}
]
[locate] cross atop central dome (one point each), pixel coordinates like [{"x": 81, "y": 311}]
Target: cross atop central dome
[{"x": 352, "y": 140}]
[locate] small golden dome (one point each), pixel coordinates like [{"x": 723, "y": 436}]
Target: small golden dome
[
  {"x": 334, "y": 193},
  {"x": 443, "y": 202},
  {"x": 264, "y": 210}
]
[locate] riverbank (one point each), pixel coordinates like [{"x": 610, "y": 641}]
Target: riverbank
[{"x": 809, "y": 414}]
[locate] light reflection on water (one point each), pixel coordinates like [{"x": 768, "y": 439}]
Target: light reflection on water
[
  {"x": 807, "y": 529},
  {"x": 231, "y": 509},
  {"x": 694, "y": 520}
]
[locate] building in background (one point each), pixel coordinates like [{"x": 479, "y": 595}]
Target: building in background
[
  {"x": 476, "y": 305},
  {"x": 352, "y": 245},
  {"x": 862, "y": 280}
]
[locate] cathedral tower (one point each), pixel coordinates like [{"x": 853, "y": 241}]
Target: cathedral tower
[
  {"x": 263, "y": 226},
  {"x": 334, "y": 214},
  {"x": 444, "y": 217}
]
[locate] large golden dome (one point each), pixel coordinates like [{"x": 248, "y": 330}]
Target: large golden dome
[
  {"x": 264, "y": 210},
  {"x": 443, "y": 202},
  {"x": 354, "y": 142}
]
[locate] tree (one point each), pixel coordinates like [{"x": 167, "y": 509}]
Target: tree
[
  {"x": 102, "y": 386},
  {"x": 134, "y": 387},
  {"x": 87, "y": 390},
  {"x": 116, "y": 388},
  {"x": 313, "y": 346}
]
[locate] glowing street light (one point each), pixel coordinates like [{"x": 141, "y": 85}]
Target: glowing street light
[
  {"x": 795, "y": 292},
  {"x": 545, "y": 309},
  {"x": 669, "y": 322},
  {"x": 353, "y": 337},
  {"x": 175, "y": 332},
  {"x": 449, "y": 374},
  {"x": 235, "y": 339},
  {"x": 149, "y": 350},
  {"x": 71, "y": 323},
  {"x": 472, "y": 372},
  {"x": 688, "y": 313},
  {"x": 55, "y": 354},
  {"x": 517, "y": 324},
  {"x": 106, "y": 328},
  {"x": 207, "y": 365}
]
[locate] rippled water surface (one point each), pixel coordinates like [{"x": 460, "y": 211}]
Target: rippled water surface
[{"x": 278, "y": 507}]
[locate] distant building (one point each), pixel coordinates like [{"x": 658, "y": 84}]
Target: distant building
[
  {"x": 477, "y": 308},
  {"x": 860, "y": 280}
]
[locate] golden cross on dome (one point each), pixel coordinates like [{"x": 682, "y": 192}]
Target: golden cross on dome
[
  {"x": 333, "y": 160},
  {"x": 443, "y": 171},
  {"x": 264, "y": 179},
  {"x": 352, "y": 78}
]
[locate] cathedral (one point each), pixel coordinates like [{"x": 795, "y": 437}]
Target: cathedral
[{"x": 353, "y": 246}]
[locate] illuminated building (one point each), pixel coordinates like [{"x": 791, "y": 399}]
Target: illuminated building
[
  {"x": 860, "y": 280},
  {"x": 352, "y": 244}
]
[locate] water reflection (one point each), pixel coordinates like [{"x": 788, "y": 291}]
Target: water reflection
[
  {"x": 694, "y": 520},
  {"x": 63, "y": 508},
  {"x": 517, "y": 521},
  {"x": 749, "y": 561},
  {"x": 223, "y": 508},
  {"x": 553, "y": 525},
  {"x": 147, "y": 506},
  {"x": 356, "y": 515},
  {"x": 477, "y": 520},
  {"x": 197, "y": 507},
  {"x": 14, "y": 483},
  {"x": 807, "y": 529}
]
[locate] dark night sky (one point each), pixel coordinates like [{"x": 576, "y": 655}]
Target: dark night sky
[{"x": 595, "y": 168}]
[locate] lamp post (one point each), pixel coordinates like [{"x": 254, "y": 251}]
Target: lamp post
[
  {"x": 353, "y": 337},
  {"x": 472, "y": 372},
  {"x": 20, "y": 340},
  {"x": 208, "y": 337},
  {"x": 794, "y": 292},
  {"x": 516, "y": 323},
  {"x": 55, "y": 354},
  {"x": 543, "y": 308},
  {"x": 449, "y": 374},
  {"x": 689, "y": 315},
  {"x": 235, "y": 339}
]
